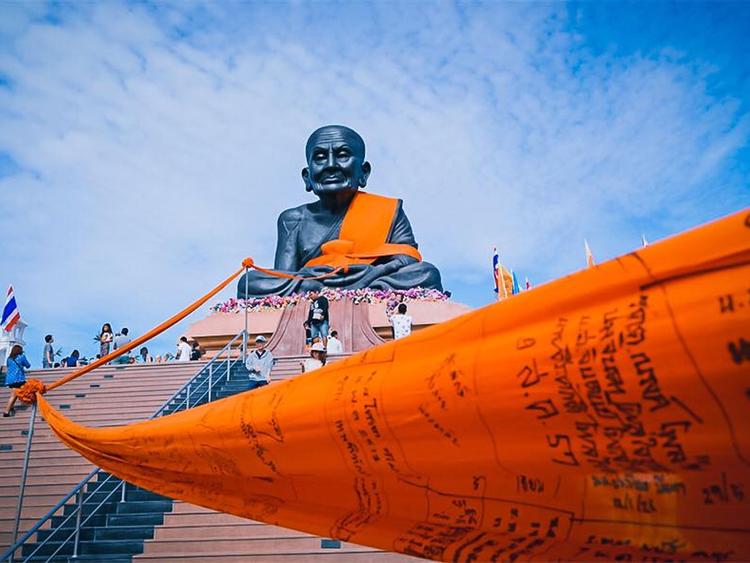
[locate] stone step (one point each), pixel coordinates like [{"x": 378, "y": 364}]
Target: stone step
[
  {"x": 8, "y": 512},
  {"x": 65, "y": 483},
  {"x": 224, "y": 531},
  {"x": 97, "y": 558},
  {"x": 301, "y": 544},
  {"x": 328, "y": 556},
  {"x": 146, "y": 506},
  {"x": 88, "y": 533},
  {"x": 41, "y": 470},
  {"x": 143, "y": 519},
  {"x": 98, "y": 547}
]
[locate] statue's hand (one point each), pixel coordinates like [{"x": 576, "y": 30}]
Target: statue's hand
[
  {"x": 344, "y": 279},
  {"x": 373, "y": 273},
  {"x": 348, "y": 278}
]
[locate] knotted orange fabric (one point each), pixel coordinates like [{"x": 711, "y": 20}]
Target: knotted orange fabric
[
  {"x": 364, "y": 234},
  {"x": 603, "y": 416}
]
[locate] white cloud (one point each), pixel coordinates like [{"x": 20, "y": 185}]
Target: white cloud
[{"x": 157, "y": 147}]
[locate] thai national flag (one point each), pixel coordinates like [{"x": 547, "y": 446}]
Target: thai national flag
[
  {"x": 496, "y": 269},
  {"x": 10, "y": 312}
]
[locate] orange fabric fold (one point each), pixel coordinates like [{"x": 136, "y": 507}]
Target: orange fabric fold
[
  {"x": 602, "y": 416},
  {"x": 364, "y": 234}
]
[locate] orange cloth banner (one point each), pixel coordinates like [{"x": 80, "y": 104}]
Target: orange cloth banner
[
  {"x": 364, "y": 234},
  {"x": 604, "y": 416}
]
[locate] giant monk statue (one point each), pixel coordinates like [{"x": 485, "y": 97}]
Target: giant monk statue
[{"x": 365, "y": 239}]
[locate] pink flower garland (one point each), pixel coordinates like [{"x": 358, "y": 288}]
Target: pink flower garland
[{"x": 391, "y": 297}]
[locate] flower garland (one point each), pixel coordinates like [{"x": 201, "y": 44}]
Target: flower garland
[{"x": 391, "y": 297}]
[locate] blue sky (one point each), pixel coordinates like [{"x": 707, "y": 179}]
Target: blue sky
[{"x": 146, "y": 148}]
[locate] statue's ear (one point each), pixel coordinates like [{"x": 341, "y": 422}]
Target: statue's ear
[
  {"x": 366, "y": 169},
  {"x": 306, "y": 179}
]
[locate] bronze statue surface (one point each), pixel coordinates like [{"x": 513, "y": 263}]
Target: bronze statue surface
[{"x": 336, "y": 171}]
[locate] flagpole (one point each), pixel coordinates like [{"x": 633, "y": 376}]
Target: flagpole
[
  {"x": 502, "y": 280},
  {"x": 245, "y": 335},
  {"x": 495, "y": 272}
]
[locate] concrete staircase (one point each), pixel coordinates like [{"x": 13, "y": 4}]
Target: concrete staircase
[
  {"x": 119, "y": 527},
  {"x": 191, "y": 533},
  {"x": 109, "y": 396}
]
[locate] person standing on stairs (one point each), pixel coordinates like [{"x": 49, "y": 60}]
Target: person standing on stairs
[
  {"x": 259, "y": 363},
  {"x": 15, "y": 377},
  {"x": 334, "y": 344},
  {"x": 183, "y": 350},
  {"x": 48, "y": 357},
  {"x": 317, "y": 318},
  {"x": 105, "y": 339},
  {"x": 196, "y": 353},
  {"x": 121, "y": 340}
]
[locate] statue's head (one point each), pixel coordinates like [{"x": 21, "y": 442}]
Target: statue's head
[{"x": 335, "y": 161}]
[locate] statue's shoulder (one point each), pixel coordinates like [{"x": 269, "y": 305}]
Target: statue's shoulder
[{"x": 294, "y": 214}]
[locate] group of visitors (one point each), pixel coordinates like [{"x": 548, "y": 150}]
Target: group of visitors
[
  {"x": 322, "y": 342},
  {"x": 317, "y": 324},
  {"x": 48, "y": 356},
  {"x": 187, "y": 351},
  {"x": 259, "y": 362},
  {"x": 110, "y": 341}
]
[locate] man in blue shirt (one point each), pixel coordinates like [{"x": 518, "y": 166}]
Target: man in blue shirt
[{"x": 121, "y": 340}]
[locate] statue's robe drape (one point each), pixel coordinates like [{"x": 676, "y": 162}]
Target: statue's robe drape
[{"x": 301, "y": 253}]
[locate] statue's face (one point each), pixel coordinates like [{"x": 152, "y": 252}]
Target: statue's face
[{"x": 335, "y": 161}]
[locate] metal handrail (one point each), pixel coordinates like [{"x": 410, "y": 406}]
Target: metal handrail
[{"x": 79, "y": 488}]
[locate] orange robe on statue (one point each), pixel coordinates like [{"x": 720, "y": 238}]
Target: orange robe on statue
[{"x": 364, "y": 234}]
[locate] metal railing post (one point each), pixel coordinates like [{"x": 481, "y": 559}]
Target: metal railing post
[
  {"x": 24, "y": 474},
  {"x": 188, "y": 395},
  {"x": 229, "y": 355},
  {"x": 122, "y": 494},
  {"x": 210, "y": 381},
  {"x": 78, "y": 523},
  {"x": 245, "y": 335}
]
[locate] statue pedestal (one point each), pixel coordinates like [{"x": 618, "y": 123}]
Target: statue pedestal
[{"x": 213, "y": 332}]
